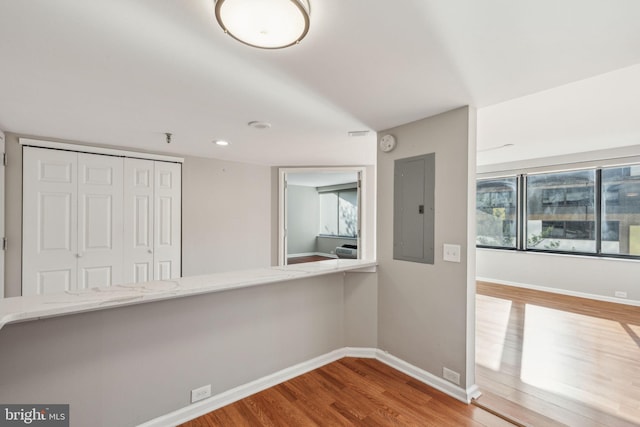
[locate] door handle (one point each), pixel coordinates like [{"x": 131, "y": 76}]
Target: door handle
[
  {"x": 420, "y": 209},
  {"x": 150, "y": 251}
]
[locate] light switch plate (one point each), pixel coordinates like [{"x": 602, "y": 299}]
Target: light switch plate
[{"x": 451, "y": 253}]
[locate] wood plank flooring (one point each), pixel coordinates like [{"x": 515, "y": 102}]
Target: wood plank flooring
[
  {"x": 575, "y": 360},
  {"x": 350, "y": 392}
]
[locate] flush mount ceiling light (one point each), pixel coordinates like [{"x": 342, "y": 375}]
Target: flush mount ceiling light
[
  {"x": 266, "y": 24},
  {"x": 221, "y": 142}
]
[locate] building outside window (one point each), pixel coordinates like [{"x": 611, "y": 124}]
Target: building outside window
[
  {"x": 561, "y": 211},
  {"x": 496, "y": 212},
  {"x": 621, "y": 210},
  {"x": 590, "y": 211}
]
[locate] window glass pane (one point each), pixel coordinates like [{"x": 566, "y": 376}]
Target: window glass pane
[
  {"x": 348, "y": 213},
  {"x": 560, "y": 211},
  {"x": 329, "y": 214},
  {"x": 496, "y": 212},
  {"x": 621, "y": 210}
]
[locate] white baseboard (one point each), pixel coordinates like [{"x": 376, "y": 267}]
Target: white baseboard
[
  {"x": 225, "y": 398},
  {"x": 205, "y": 406},
  {"x": 363, "y": 352},
  {"x": 596, "y": 297},
  {"x": 428, "y": 378}
]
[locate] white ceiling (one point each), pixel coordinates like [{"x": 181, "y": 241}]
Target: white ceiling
[
  {"x": 124, "y": 72},
  {"x": 588, "y": 115}
]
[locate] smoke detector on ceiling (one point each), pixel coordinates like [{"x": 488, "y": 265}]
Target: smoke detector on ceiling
[{"x": 259, "y": 125}]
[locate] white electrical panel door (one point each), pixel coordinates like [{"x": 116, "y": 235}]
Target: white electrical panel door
[
  {"x": 49, "y": 234},
  {"x": 167, "y": 220},
  {"x": 100, "y": 226},
  {"x": 138, "y": 220}
]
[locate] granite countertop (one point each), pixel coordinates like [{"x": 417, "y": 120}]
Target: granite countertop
[{"x": 20, "y": 309}]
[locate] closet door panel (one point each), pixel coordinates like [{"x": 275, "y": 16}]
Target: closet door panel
[
  {"x": 142, "y": 271},
  {"x": 138, "y": 224},
  {"x": 96, "y": 220},
  {"x": 167, "y": 230},
  {"x": 49, "y": 249},
  {"x": 100, "y": 220}
]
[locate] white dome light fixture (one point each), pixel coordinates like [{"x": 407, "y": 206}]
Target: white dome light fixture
[{"x": 266, "y": 24}]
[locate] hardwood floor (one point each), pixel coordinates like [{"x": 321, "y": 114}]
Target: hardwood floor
[
  {"x": 310, "y": 258},
  {"x": 574, "y": 360},
  {"x": 351, "y": 391}
]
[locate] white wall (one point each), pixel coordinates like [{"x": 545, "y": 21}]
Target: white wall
[
  {"x": 595, "y": 277},
  {"x": 590, "y": 276},
  {"x": 303, "y": 219},
  {"x": 226, "y": 216},
  {"x": 2, "y": 213},
  {"x": 425, "y": 312},
  {"x": 361, "y": 310},
  {"x": 13, "y": 217}
]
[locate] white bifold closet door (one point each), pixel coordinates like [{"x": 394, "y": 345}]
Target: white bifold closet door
[
  {"x": 99, "y": 220},
  {"x": 93, "y": 220},
  {"x": 167, "y": 220},
  {"x": 72, "y": 221},
  {"x": 138, "y": 228},
  {"x": 152, "y": 230}
]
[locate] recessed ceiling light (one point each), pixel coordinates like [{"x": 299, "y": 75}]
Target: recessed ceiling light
[
  {"x": 259, "y": 125},
  {"x": 221, "y": 142}
]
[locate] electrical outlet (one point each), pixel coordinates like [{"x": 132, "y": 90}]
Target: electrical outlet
[
  {"x": 200, "y": 393},
  {"x": 620, "y": 294},
  {"x": 450, "y": 375},
  {"x": 451, "y": 253}
]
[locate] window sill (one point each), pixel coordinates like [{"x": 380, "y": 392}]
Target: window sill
[{"x": 606, "y": 257}]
